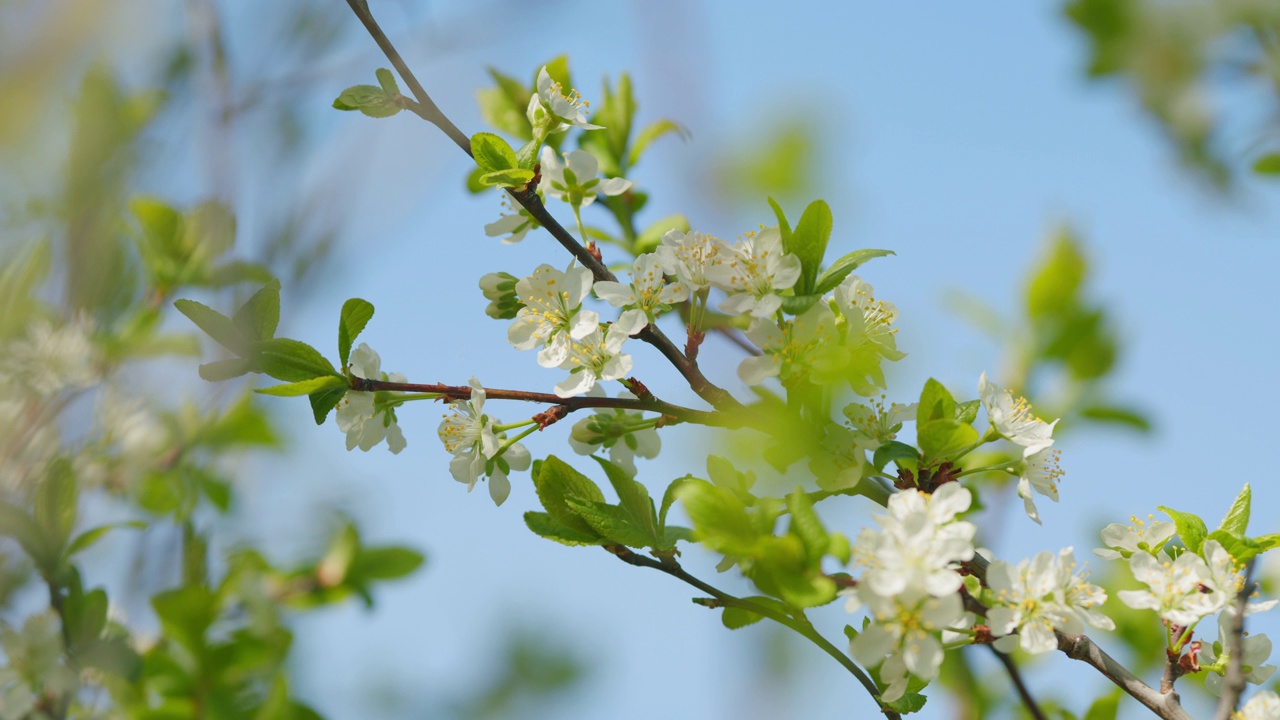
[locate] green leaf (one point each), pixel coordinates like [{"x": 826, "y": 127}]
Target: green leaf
[
  {"x": 894, "y": 451},
  {"x": 1267, "y": 542},
  {"x": 324, "y": 401},
  {"x": 936, "y": 403},
  {"x": 939, "y": 438},
  {"x": 784, "y": 227},
  {"x": 809, "y": 243},
  {"x": 291, "y": 360},
  {"x": 384, "y": 563},
  {"x": 719, "y": 517},
  {"x": 799, "y": 304},
  {"x": 806, "y": 526},
  {"x": 258, "y": 317},
  {"x": 89, "y": 537},
  {"x": 492, "y": 153},
  {"x": 543, "y": 525},
  {"x": 220, "y": 370},
  {"x": 186, "y": 614},
  {"x": 20, "y": 526},
  {"x": 1191, "y": 528},
  {"x": 1268, "y": 164},
  {"x": 651, "y": 237},
  {"x": 214, "y": 324},
  {"x": 736, "y": 617},
  {"x": 967, "y": 412},
  {"x": 1114, "y": 415},
  {"x": 668, "y": 499},
  {"x": 56, "y": 498},
  {"x": 845, "y": 264},
  {"x": 634, "y": 498},
  {"x": 387, "y": 81},
  {"x": 611, "y": 522},
  {"x": 371, "y": 100},
  {"x": 236, "y": 271},
  {"x": 725, "y": 475},
  {"x": 356, "y": 313},
  {"x": 1237, "y": 518},
  {"x": 1055, "y": 285},
  {"x": 514, "y": 178},
  {"x": 306, "y": 387},
  {"x": 1106, "y": 707},
  {"x": 1241, "y": 549},
  {"x": 555, "y": 483},
  {"x": 651, "y": 132}
]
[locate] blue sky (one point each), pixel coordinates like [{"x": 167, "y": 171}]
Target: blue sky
[{"x": 956, "y": 135}]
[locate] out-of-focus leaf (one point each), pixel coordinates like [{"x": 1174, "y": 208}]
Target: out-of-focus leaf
[{"x": 1115, "y": 415}]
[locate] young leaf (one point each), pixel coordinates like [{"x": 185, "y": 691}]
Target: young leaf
[
  {"x": 513, "y": 177},
  {"x": 669, "y": 499},
  {"x": 1055, "y": 286},
  {"x": 806, "y": 526},
  {"x": 387, "y": 81},
  {"x": 633, "y": 497},
  {"x": 897, "y": 453},
  {"x": 651, "y": 132},
  {"x": 1268, "y": 164},
  {"x": 325, "y": 400},
  {"x": 1191, "y": 528},
  {"x": 220, "y": 370},
  {"x": 809, "y": 243},
  {"x": 543, "y": 525},
  {"x": 611, "y": 522},
  {"x": 492, "y": 153},
  {"x": 939, "y": 438},
  {"x": 56, "y": 498},
  {"x": 735, "y": 617},
  {"x": 291, "y": 360},
  {"x": 356, "y": 313},
  {"x": 89, "y": 537},
  {"x": 371, "y": 100},
  {"x": 936, "y": 403},
  {"x": 258, "y": 317},
  {"x": 719, "y": 517},
  {"x": 844, "y": 265},
  {"x": 306, "y": 387},
  {"x": 1237, "y": 519},
  {"x": 214, "y": 324},
  {"x": 555, "y": 483},
  {"x": 383, "y": 563},
  {"x": 784, "y": 227},
  {"x": 1241, "y": 549}
]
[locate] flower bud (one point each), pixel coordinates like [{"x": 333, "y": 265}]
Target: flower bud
[{"x": 500, "y": 290}]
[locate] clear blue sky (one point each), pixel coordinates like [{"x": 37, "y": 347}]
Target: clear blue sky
[{"x": 956, "y": 135}]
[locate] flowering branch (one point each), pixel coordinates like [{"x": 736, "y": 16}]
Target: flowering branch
[
  {"x": 1080, "y": 647},
  {"x": 718, "y": 397},
  {"x": 648, "y": 404},
  {"x": 724, "y": 599}
]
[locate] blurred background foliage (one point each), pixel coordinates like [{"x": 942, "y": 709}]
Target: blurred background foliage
[{"x": 136, "y": 164}]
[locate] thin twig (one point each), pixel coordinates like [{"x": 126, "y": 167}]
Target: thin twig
[
  {"x": 462, "y": 392},
  {"x": 672, "y": 568},
  {"x": 1233, "y": 681},
  {"x": 1016, "y": 676}
]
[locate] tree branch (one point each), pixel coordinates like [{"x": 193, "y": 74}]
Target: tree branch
[
  {"x": 463, "y": 392},
  {"x": 672, "y": 568},
  {"x": 1016, "y": 676},
  {"x": 1080, "y": 647},
  {"x": 1234, "y": 681}
]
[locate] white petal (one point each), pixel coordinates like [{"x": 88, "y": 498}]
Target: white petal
[
  {"x": 614, "y": 293},
  {"x": 499, "y": 487},
  {"x": 754, "y": 370},
  {"x": 615, "y": 186},
  {"x": 576, "y": 384}
]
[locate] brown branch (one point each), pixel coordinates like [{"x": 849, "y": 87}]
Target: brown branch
[
  {"x": 1016, "y": 676},
  {"x": 724, "y": 599},
  {"x": 648, "y": 404},
  {"x": 1234, "y": 681},
  {"x": 718, "y": 397}
]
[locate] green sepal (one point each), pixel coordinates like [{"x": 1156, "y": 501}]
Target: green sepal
[
  {"x": 809, "y": 243},
  {"x": 356, "y": 313},
  {"x": 845, "y": 264},
  {"x": 324, "y": 401},
  {"x": 291, "y": 360},
  {"x": 1190, "y": 527},
  {"x": 545, "y": 526},
  {"x": 1236, "y": 521},
  {"x": 306, "y": 387}
]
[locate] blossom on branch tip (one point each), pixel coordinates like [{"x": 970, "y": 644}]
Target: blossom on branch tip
[
  {"x": 574, "y": 181},
  {"x": 1175, "y": 587},
  {"x": 645, "y": 297},
  {"x": 1012, "y": 418},
  {"x": 552, "y": 315},
  {"x": 357, "y": 413},
  {"x": 753, "y": 272},
  {"x": 469, "y": 436},
  {"x": 920, "y": 543},
  {"x": 803, "y": 348},
  {"x": 868, "y": 334},
  {"x": 1038, "y": 596},
  {"x": 1256, "y": 651},
  {"x": 903, "y": 637},
  {"x": 615, "y": 430},
  {"x": 515, "y": 225},
  {"x": 1040, "y": 472},
  {"x": 554, "y": 110}
]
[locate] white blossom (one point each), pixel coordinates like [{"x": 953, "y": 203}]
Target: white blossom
[
  {"x": 515, "y": 224},
  {"x": 1263, "y": 706},
  {"x": 1038, "y": 596},
  {"x": 552, "y": 315},
  {"x": 1174, "y": 587},
  {"x": 1125, "y": 540},
  {"x": 51, "y": 359},
  {"x": 753, "y": 272},
  {"x": 598, "y": 356},
  {"x": 357, "y": 415},
  {"x": 903, "y": 637},
  {"x": 469, "y": 436},
  {"x": 1013, "y": 419},
  {"x": 920, "y": 543},
  {"x": 1040, "y": 472},
  {"x": 611, "y": 428},
  {"x": 555, "y": 109},
  {"x": 801, "y": 349},
  {"x": 689, "y": 256},
  {"x": 645, "y": 297},
  {"x": 574, "y": 181}
]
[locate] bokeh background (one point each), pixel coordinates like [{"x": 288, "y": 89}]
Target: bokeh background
[{"x": 961, "y": 137}]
